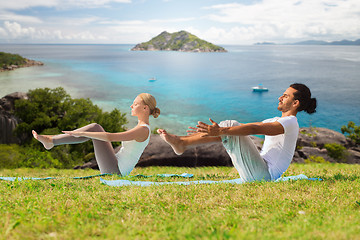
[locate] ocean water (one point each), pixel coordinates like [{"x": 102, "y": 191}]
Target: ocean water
[{"x": 195, "y": 86}]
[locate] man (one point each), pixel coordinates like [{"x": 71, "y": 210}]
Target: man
[{"x": 280, "y": 137}]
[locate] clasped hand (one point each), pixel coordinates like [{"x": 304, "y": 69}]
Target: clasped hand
[{"x": 206, "y": 129}]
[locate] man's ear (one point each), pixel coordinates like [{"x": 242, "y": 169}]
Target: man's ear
[{"x": 296, "y": 104}]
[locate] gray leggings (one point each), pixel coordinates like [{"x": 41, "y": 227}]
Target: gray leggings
[{"x": 104, "y": 152}]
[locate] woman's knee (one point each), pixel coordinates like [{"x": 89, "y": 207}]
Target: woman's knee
[{"x": 95, "y": 127}]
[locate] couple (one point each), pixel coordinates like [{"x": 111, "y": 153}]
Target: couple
[{"x": 275, "y": 157}]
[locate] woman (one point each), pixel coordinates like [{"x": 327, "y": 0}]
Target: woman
[{"x": 134, "y": 140}]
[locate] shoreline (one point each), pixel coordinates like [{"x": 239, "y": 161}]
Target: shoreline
[{"x": 28, "y": 63}]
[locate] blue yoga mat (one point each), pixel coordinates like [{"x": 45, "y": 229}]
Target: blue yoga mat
[
  {"x": 183, "y": 175},
  {"x": 119, "y": 183},
  {"x": 47, "y": 178},
  {"x": 122, "y": 182}
]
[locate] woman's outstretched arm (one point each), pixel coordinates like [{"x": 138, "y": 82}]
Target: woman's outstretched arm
[{"x": 138, "y": 133}]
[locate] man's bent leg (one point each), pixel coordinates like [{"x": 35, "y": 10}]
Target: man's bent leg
[{"x": 245, "y": 156}]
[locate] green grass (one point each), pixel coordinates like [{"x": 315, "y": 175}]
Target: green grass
[{"x": 85, "y": 209}]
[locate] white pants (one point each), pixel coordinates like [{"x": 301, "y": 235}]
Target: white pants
[{"x": 245, "y": 156}]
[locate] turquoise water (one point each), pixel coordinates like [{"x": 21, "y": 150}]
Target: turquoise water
[{"x": 195, "y": 86}]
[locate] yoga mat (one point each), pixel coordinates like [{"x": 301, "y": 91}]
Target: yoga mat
[
  {"x": 47, "y": 178},
  {"x": 119, "y": 183},
  {"x": 297, "y": 177},
  {"x": 184, "y": 175}
]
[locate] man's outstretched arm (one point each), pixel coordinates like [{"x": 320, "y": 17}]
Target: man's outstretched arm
[{"x": 258, "y": 128}]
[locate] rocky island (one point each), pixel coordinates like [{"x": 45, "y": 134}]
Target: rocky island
[
  {"x": 10, "y": 61},
  {"x": 179, "y": 41}
]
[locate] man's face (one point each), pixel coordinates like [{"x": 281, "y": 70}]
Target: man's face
[{"x": 287, "y": 101}]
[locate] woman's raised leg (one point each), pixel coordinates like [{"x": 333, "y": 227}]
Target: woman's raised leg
[
  {"x": 49, "y": 141},
  {"x": 104, "y": 152},
  {"x": 180, "y": 143},
  {"x": 68, "y": 139}
]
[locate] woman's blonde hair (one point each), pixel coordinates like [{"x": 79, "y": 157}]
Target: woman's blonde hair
[{"x": 150, "y": 101}]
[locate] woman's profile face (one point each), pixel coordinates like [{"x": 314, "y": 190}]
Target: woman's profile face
[{"x": 137, "y": 107}]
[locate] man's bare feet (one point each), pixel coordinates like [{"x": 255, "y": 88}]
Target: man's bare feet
[
  {"x": 45, "y": 140},
  {"x": 174, "y": 141}
]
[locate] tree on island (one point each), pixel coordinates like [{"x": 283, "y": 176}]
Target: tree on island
[{"x": 10, "y": 61}]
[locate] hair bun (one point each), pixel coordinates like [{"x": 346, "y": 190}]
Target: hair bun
[
  {"x": 156, "y": 112},
  {"x": 312, "y": 106}
]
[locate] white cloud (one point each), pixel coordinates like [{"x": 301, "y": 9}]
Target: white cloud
[
  {"x": 271, "y": 19},
  {"x": 61, "y": 4},
  {"x": 75, "y": 21},
  {"x": 144, "y": 30},
  {"x": 16, "y": 31},
  {"x": 88, "y": 3},
  {"x": 142, "y": 22},
  {"x": 173, "y": 20},
  {"x": 135, "y": 33},
  {"x": 140, "y": 31},
  {"x": 3, "y": 33},
  {"x": 237, "y": 35},
  {"x": 235, "y": 23},
  {"x": 133, "y": 22},
  {"x": 24, "y": 4},
  {"x": 13, "y": 30},
  {"x": 9, "y": 16}
]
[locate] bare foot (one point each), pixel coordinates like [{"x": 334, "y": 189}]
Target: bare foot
[
  {"x": 174, "y": 141},
  {"x": 45, "y": 140}
]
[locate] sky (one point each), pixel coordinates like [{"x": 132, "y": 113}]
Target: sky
[{"x": 226, "y": 22}]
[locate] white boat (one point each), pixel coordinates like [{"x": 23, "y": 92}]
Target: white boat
[
  {"x": 153, "y": 79},
  {"x": 260, "y": 88}
]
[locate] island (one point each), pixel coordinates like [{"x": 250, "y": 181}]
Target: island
[
  {"x": 10, "y": 61},
  {"x": 179, "y": 41}
]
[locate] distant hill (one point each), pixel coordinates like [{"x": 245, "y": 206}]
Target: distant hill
[
  {"x": 179, "y": 41},
  {"x": 315, "y": 42},
  {"x": 265, "y": 43}
]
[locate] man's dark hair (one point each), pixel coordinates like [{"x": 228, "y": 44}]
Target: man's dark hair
[{"x": 303, "y": 94}]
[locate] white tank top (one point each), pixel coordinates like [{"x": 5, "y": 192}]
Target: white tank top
[{"x": 130, "y": 153}]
